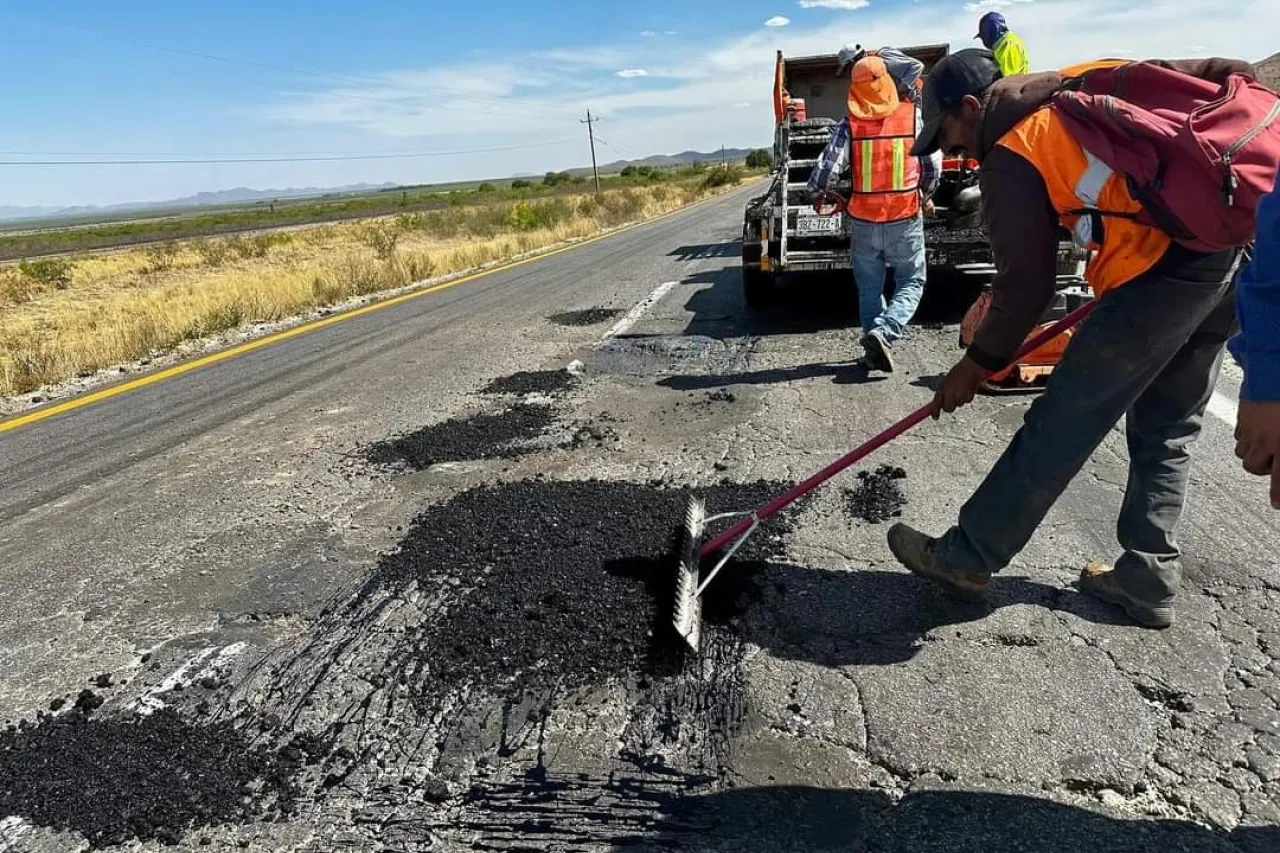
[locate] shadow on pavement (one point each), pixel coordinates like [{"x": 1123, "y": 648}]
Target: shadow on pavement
[
  {"x": 841, "y": 374},
  {"x": 810, "y": 302},
  {"x": 702, "y": 251},
  {"x": 874, "y": 617},
  {"x": 651, "y": 814}
]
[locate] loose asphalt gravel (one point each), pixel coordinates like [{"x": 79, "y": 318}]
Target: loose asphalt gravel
[
  {"x": 532, "y": 382},
  {"x": 141, "y": 778},
  {"x": 503, "y": 435},
  {"x": 562, "y": 584},
  {"x": 878, "y": 496}
]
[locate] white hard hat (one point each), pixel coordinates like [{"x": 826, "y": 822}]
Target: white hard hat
[{"x": 848, "y": 55}]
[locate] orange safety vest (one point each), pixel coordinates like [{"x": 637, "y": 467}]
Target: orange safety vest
[
  {"x": 886, "y": 178},
  {"x": 1077, "y": 180}
]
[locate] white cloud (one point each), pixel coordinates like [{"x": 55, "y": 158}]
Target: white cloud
[
  {"x": 849, "y": 5},
  {"x": 710, "y": 82},
  {"x": 648, "y": 34},
  {"x": 992, "y": 5},
  {"x": 628, "y": 73},
  {"x": 777, "y": 21}
]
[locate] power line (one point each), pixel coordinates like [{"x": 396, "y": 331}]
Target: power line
[
  {"x": 163, "y": 161},
  {"x": 621, "y": 149}
]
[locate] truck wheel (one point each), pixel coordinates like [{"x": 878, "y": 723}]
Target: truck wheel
[{"x": 759, "y": 289}]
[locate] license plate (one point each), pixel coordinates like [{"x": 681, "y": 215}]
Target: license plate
[{"x": 818, "y": 224}]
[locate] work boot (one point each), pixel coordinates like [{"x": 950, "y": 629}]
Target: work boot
[
  {"x": 877, "y": 355},
  {"x": 1099, "y": 580},
  {"x": 918, "y": 553}
]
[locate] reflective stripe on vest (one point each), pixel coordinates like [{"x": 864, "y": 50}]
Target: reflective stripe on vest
[
  {"x": 1076, "y": 181},
  {"x": 886, "y": 177},
  {"x": 1089, "y": 190}
]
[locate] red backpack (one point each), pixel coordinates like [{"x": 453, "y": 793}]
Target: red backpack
[{"x": 1197, "y": 154}]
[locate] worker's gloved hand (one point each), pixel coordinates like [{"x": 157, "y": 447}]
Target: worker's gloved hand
[
  {"x": 959, "y": 387},
  {"x": 1258, "y": 442}
]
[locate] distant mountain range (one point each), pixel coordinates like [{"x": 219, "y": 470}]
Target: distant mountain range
[
  {"x": 238, "y": 195},
  {"x": 684, "y": 158},
  {"x": 244, "y": 195}
]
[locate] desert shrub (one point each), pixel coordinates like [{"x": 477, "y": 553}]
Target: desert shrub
[
  {"x": 381, "y": 237},
  {"x": 213, "y": 252},
  {"x": 50, "y": 272}
]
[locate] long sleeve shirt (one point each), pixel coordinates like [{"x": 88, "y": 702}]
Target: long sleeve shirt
[
  {"x": 1257, "y": 347},
  {"x": 1011, "y": 55},
  {"x": 837, "y": 157}
]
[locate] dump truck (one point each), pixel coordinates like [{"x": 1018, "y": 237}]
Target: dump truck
[{"x": 783, "y": 233}]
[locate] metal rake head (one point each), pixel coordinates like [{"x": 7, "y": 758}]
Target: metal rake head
[{"x": 688, "y": 604}]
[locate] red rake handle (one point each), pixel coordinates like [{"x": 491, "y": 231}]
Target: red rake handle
[{"x": 858, "y": 453}]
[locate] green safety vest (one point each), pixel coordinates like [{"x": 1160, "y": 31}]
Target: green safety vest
[{"x": 1011, "y": 55}]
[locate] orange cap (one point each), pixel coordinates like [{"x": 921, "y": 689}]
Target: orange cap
[{"x": 872, "y": 92}]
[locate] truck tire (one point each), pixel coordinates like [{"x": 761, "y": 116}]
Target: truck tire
[{"x": 759, "y": 289}]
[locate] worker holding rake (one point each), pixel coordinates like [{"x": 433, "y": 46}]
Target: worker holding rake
[{"x": 1151, "y": 350}]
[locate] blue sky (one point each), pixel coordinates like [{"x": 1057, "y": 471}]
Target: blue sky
[{"x": 241, "y": 78}]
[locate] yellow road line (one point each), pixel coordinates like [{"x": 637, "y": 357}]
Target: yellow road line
[{"x": 43, "y": 413}]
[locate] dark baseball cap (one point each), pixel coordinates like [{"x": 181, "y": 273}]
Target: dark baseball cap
[{"x": 966, "y": 72}]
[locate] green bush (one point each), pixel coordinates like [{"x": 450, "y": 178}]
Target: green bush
[
  {"x": 722, "y": 176},
  {"x": 521, "y": 184},
  {"x": 53, "y": 272},
  {"x": 554, "y": 179},
  {"x": 486, "y": 188},
  {"x": 526, "y": 216},
  {"x": 759, "y": 159}
]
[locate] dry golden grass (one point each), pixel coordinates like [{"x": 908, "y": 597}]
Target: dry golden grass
[{"x": 134, "y": 303}]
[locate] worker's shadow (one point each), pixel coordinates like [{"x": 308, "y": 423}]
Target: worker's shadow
[
  {"x": 846, "y": 373},
  {"x": 873, "y": 617},
  {"x": 660, "y": 813}
]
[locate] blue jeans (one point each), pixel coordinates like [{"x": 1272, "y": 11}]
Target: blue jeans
[
  {"x": 901, "y": 245},
  {"x": 1150, "y": 352}
]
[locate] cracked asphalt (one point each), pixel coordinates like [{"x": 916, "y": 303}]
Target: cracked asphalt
[{"x": 213, "y": 543}]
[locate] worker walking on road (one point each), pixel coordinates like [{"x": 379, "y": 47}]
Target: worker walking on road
[
  {"x": 1150, "y": 352},
  {"x": 1008, "y": 49},
  {"x": 889, "y": 191}
]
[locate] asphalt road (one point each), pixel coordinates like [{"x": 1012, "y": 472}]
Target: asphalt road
[{"x": 208, "y": 541}]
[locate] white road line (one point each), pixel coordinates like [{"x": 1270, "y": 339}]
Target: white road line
[
  {"x": 637, "y": 311},
  {"x": 1223, "y": 408}
]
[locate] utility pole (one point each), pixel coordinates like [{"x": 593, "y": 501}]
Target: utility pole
[
  {"x": 724, "y": 164},
  {"x": 592, "y": 135}
]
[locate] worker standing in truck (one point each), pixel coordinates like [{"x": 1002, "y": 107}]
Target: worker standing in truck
[
  {"x": 889, "y": 190},
  {"x": 1150, "y": 352},
  {"x": 1008, "y": 49}
]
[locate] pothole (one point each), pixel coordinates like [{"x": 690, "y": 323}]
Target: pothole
[
  {"x": 504, "y": 435},
  {"x": 661, "y": 355},
  {"x": 548, "y": 382},
  {"x": 585, "y": 317}
]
